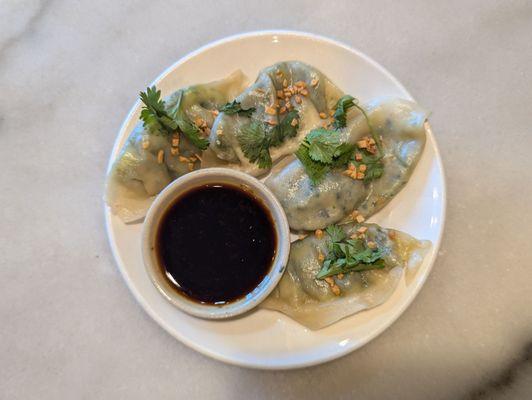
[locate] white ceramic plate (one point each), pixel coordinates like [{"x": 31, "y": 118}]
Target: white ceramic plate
[{"x": 268, "y": 339}]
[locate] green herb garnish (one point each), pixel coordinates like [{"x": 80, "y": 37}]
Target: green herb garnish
[
  {"x": 236, "y": 108},
  {"x": 285, "y": 129},
  {"x": 322, "y": 151},
  {"x": 340, "y": 116},
  {"x": 256, "y": 139},
  {"x": 349, "y": 255},
  {"x": 255, "y": 144},
  {"x": 373, "y": 163},
  {"x": 157, "y": 119}
]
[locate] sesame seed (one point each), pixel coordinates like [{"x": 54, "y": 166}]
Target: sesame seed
[
  {"x": 160, "y": 156},
  {"x": 314, "y": 82},
  {"x": 294, "y": 122}
]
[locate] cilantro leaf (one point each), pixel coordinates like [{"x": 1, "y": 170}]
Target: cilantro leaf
[
  {"x": 191, "y": 132},
  {"x": 285, "y": 129},
  {"x": 236, "y": 108},
  {"x": 323, "y": 145},
  {"x": 335, "y": 233},
  {"x": 314, "y": 169},
  {"x": 157, "y": 119},
  {"x": 349, "y": 255},
  {"x": 256, "y": 138},
  {"x": 255, "y": 144},
  {"x": 322, "y": 151},
  {"x": 340, "y": 115}
]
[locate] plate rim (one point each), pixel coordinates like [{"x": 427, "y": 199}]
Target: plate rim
[{"x": 297, "y": 364}]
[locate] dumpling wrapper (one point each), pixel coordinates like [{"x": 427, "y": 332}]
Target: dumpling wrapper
[
  {"x": 308, "y": 206},
  {"x": 312, "y": 303},
  {"x": 224, "y": 149},
  {"x": 136, "y": 176}
]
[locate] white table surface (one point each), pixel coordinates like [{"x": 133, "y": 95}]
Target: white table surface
[{"x": 70, "y": 71}]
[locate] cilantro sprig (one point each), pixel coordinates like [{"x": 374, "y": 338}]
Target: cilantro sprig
[
  {"x": 157, "y": 119},
  {"x": 235, "y": 107},
  {"x": 322, "y": 151},
  {"x": 256, "y": 139},
  {"x": 340, "y": 116},
  {"x": 349, "y": 255}
]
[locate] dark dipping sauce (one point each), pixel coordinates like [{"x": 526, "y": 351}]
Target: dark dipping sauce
[{"x": 216, "y": 243}]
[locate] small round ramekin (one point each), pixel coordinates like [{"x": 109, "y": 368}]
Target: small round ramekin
[{"x": 197, "y": 179}]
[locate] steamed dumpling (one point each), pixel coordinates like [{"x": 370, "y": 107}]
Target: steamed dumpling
[
  {"x": 313, "y": 303},
  {"x": 319, "y": 96},
  {"x": 137, "y": 175},
  {"x": 308, "y": 206}
]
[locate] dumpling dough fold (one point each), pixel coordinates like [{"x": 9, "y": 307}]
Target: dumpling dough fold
[{"x": 312, "y": 303}]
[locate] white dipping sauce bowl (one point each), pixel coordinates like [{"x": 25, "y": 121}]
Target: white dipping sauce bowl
[{"x": 198, "y": 179}]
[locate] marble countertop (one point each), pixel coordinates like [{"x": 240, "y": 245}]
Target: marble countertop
[{"x": 70, "y": 71}]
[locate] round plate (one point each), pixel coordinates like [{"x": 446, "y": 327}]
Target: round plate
[{"x": 263, "y": 338}]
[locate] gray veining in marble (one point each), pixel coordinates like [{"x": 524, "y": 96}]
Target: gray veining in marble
[{"x": 70, "y": 71}]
